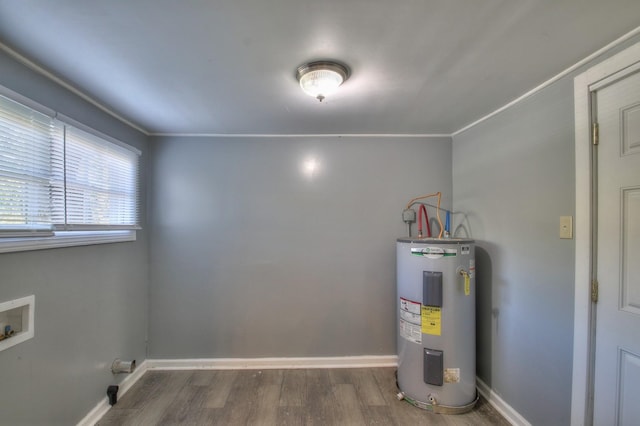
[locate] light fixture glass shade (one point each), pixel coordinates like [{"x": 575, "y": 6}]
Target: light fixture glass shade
[{"x": 319, "y": 79}]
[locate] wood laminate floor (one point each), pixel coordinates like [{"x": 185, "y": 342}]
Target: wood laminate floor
[{"x": 362, "y": 396}]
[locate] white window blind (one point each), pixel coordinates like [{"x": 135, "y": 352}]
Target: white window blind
[
  {"x": 97, "y": 186},
  {"x": 56, "y": 177},
  {"x": 26, "y": 138}
]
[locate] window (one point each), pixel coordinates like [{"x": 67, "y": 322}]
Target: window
[
  {"x": 59, "y": 182},
  {"x": 96, "y": 189},
  {"x": 26, "y": 139}
]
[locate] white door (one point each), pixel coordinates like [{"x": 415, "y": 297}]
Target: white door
[{"x": 617, "y": 261}]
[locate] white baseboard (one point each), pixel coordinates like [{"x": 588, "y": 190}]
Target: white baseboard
[
  {"x": 272, "y": 363},
  {"x": 511, "y": 415},
  {"x": 103, "y": 406}
]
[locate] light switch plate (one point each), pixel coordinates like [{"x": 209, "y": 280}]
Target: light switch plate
[{"x": 566, "y": 227}]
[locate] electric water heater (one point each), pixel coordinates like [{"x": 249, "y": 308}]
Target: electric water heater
[{"x": 436, "y": 323}]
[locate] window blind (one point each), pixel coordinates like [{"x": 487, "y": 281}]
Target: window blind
[
  {"x": 94, "y": 183},
  {"x": 26, "y": 140},
  {"x": 57, "y": 177}
]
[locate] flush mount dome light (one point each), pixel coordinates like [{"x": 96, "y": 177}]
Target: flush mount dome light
[{"x": 321, "y": 78}]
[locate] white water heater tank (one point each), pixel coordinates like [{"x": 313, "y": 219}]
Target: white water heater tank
[{"x": 436, "y": 323}]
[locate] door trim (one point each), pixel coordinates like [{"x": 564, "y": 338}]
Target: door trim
[{"x": 582, "y": 88}]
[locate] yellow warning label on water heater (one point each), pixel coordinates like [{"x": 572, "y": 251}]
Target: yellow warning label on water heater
[
  {"x": 467, "y": 284},
  {"x": 431, "y": 320}
]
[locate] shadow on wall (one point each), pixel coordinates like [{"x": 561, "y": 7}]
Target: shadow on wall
[
  {"x": 463, "y": 229},
  {"x": 484, "y": 314}
]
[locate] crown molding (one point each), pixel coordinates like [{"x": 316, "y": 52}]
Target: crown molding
[
  {"x": 48, "y": 74},
  {"x": 39, "y": 69},
  {"x": 552, "y": 80},
  {"x": 303, "y": 135}
]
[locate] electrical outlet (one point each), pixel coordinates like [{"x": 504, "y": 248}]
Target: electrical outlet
[{"x": 566, "y": 227}]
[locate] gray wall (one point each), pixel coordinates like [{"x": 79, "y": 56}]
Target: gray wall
[
  {"x": 514, "y": 176},
  {"x": 251, "y": 258},
  {"x": 91, "y": 301}
]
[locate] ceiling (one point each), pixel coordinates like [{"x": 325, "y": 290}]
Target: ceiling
[{"x": 228, "y": 66}]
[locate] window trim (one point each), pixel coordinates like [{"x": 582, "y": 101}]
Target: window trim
[{"x": 66, "y": 238}]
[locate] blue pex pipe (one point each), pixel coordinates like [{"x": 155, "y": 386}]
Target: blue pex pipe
[{"x": 446, "y": 223}]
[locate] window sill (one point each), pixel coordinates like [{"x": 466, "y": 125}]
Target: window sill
[{"x": 65, "y": 239}]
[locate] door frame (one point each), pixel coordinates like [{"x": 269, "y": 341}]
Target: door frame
[{"x": 583, "y": 349}]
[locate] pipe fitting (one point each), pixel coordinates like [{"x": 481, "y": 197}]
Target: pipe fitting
[{"x": 120, "y": 366}]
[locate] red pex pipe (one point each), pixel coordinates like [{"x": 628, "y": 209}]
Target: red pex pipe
[{"x": 426, "y": 218}]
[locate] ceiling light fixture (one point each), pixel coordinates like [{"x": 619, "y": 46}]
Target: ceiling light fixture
[{"x": 321, "y": 78}]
